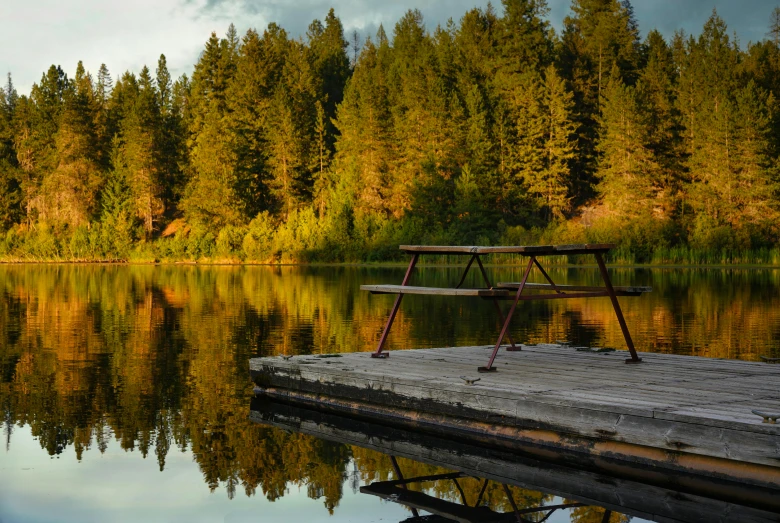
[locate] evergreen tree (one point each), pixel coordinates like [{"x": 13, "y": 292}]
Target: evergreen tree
[
  {"x": 524, "y": 40},
  {"x": 105, "y": 128},
  {"x": 141, "y": 152},
  {"x": 117, "y": 213},
  {"x": 330, "y": 68},
  {"x": 418, "y": 103},
  {"x": 318, "y": 142},
  {"x": 627, "y": 167},
  {"x": 542, "y": 151},
  {"x": 10, "y": 96},
  {"x": 476, "y": 42},
  {"x": 211, "y": 195},
  {"x": 169, "y": 130},
  {"x": 258, "y": 70},
  {"x": 656, "y": 95},
  {"x": 708, "y": 80},
  {"x": 599, "y": 36},
  {"x": 364, "y": 144},
  {"x": 68, "y": 192},
  {"x": 211, "y": 198},
  {"x": 290, "y": 132},
  {"x": 210, "y": 80},
  {"x": 180, "y": 117},
  {"x": 754, "y": 195},
  {"x": 37, "y": 120},
  {"x": 10, "y": 188}
]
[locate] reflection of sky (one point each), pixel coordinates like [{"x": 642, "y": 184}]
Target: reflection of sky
[{"x": 121, "y": 486}]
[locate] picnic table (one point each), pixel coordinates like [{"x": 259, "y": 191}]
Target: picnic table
[{"x": 510, "y": 290}]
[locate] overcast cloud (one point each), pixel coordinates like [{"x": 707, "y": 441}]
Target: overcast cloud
[{"x": 126, "y": 35}]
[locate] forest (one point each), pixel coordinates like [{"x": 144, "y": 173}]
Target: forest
[{"x": 493, "y": 129}]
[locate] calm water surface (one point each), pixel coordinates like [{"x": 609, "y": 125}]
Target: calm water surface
[{"x": 125, "y": 393}]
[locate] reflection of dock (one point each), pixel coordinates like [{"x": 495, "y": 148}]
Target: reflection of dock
[
  {"x": 671, "y": 412},
  {"x": 635, "y": 491}
]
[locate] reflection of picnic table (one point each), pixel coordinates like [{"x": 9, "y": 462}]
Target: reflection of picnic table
[{"x": 510, "y": 290}]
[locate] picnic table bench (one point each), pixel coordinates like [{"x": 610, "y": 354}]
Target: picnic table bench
[{"x": 510, "y": 290}]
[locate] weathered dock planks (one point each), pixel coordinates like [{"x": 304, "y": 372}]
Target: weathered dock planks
[{"x": 673, "y": 412}]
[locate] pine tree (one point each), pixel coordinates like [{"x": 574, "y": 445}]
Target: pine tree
[
  {"x": 524, "y": 37},
  {"x": 627, "y": 167},
  {"x": 542, "y": 150},
  {"x": 290, "y": 132},
  {"x": 418, "y": 103},
  {"x": 258, "y": 70},
  {"x": 364, "y": 143},
  {"x": 476, "y": 43},
  {"x": 105, "y": 127},
  {"x": 10, "y": 188},
  {"x": 169, "y": 132},
  {"x": 117, "y": 211},
  {"x": 10, "y": 96},
  {"x": 330, "y": 68},
  {"x": 708, "y": 80},
  {"x": 211, "y": 195},
  {"x": 211, "y": 78},
  {"x": 559, "y": 142},
  {"x": 321, "y": 158},
  {"x": 68, "y": 192},
  {"x": 180, "y": 116},
  {"x": 600, "y": 35},
  {"x": 755, "y": 174},
  {"x": 656, "y": 94},
  {"x": 141, "y": 152},
  {"x": 285, "y": 155},
  {"x": 38, "y": 135}
]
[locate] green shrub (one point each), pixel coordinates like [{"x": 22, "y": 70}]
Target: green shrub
[
  {"x": 229, "y": 241},
  {"x": 257, "y": 244},
  {"x": 201, "y": 243}
]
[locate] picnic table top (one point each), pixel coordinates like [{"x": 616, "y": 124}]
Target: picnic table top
[{"x": 528, "y": 250}]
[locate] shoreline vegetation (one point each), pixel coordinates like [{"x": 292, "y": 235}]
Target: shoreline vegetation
[
  {"x": 493, "y": 129},
  {"x": 619, "y": 258}
]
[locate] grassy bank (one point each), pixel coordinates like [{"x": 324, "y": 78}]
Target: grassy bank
[{"x": 262, "y": 243}]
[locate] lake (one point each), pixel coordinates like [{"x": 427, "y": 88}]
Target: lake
[{"x": 125, "y": 390}]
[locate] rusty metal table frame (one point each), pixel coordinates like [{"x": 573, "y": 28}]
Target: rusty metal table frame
[
  {"x": 397, "y": 491},
  {"x": 531, "y": 252}
]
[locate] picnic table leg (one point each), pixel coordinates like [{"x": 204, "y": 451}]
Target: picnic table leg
[
  {"x": 627, "y": 335},
  {"x": 512, "y": 347},
  {"x": 505, "y": 328},
  {"x": 512, "y": 503},
  {"x": 468, "y": 266},
  {"x": 394, "y": 311},
  {"x": 400, "y": 477}
]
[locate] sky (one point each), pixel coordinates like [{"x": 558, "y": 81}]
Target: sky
[{"x": 126, "y": 35}]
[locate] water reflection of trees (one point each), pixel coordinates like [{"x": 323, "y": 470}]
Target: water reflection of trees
[{"x": 156, "y": 357}]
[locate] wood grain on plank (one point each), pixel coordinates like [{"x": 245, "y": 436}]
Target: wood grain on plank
[{"x": 536, "y": 250}]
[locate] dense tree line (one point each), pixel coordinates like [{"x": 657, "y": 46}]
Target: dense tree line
[{"x": 491, "y": 129}]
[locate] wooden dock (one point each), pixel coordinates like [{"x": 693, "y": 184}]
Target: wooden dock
[{"x": 675, "y": 413}]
